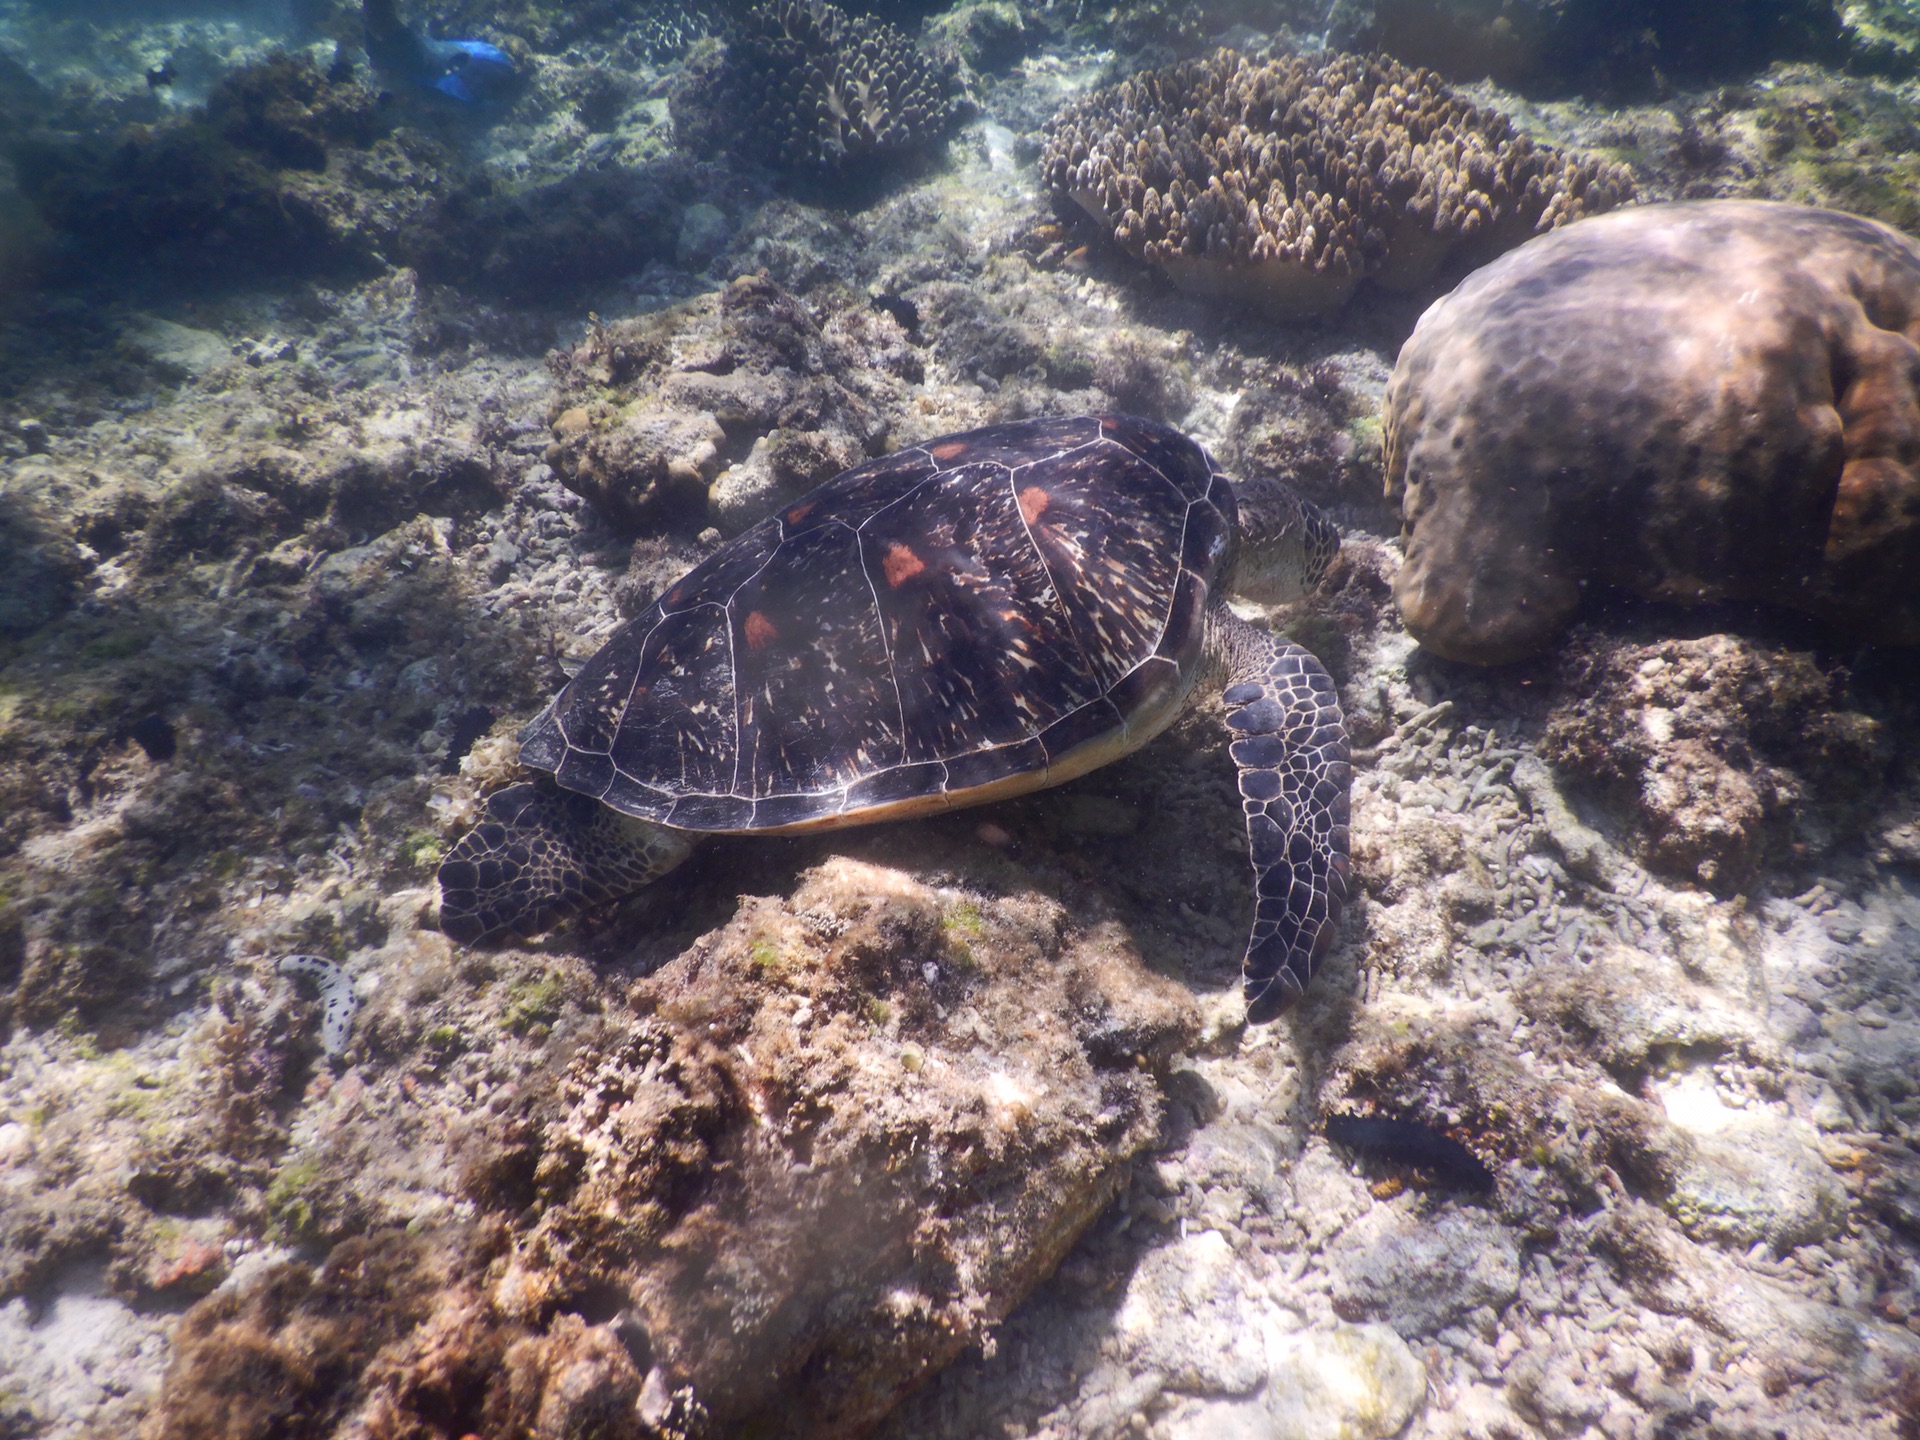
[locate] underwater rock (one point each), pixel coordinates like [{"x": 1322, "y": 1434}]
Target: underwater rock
[
  {"x": 828, "y": 1177},
  {"x": 1755, "y": 1178},
  {"x": 987, "y": 34},
  {"x": 803, "y": 1166},
  {"x": 704, "y": 233},
  {"x": 548, "y": 240},
  {"x": 813, "y": 92},
  {"x": 1287, "y": 182},
  {"x": 1718, "y": 750},
  {"x": 39, "y": 568},
  {"x": 1691, "y": 402},
  {"x": 635, "y": 467},
  {"x": 651, "y": 410},
  {"x": 1201, "y": 1324},
  {"x": 1421, "y": 1273}
]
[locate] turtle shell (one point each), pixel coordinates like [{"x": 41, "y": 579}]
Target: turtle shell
[{"x": 977, "y": 616}]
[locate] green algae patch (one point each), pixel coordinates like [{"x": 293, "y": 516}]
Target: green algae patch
[
  {"x": 115, "y": 645},
  {"x": 533, "y": 1000},
  {"x": 422, "y": 850},
  {"x": 292, "y": 1204}
]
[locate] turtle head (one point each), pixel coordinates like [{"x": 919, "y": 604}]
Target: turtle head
[
  {"x": 1286, "y": 543},
  {"x": 541, "y": 854}
]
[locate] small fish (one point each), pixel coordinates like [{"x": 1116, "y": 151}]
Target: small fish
[
  {"x": 470, "y": 71},
  {"x": 158, "y": 75},
  {"x": 1408, "y": 1142}
]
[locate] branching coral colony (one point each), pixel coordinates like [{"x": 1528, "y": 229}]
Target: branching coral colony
[
  {"x": 812, "y": 89},
  {"x": 1286, "y": 182}
]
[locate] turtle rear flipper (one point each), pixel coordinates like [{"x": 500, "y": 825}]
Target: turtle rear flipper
[
  {"x": 542, "y": 855},
  {"x": 1290, "y": 745}
]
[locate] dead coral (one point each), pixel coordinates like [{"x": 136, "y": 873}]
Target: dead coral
[
  {"x": 651, "y": 411},
  {"x": 1722, "y": 750},
  {"x": 1287, "y": 182},
  {"x": 279, "y": 1358}
]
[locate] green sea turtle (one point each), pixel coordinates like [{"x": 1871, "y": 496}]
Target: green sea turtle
[{"x": 964, "y": 620}]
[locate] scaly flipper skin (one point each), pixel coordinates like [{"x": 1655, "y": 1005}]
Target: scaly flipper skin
[
  {"x": 1290, "y": 745},
  {"x": 544, "y": 854}
]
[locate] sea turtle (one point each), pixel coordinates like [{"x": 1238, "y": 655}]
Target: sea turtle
[{"x": 964, "y": 620}]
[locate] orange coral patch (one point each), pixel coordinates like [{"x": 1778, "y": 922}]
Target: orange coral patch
[
  {"x": 952, "y": 450},
  {"x": 760, "y": 631},
  {"x": 1033, "y": 503},
  {"x": 901, "y": 564}
]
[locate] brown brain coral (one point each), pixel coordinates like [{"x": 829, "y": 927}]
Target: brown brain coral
[
  {"x": 1286, "y": 182},
  {"x": 1716, "y": 400}
]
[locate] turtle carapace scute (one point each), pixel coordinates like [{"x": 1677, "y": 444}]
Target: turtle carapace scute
[{"x": 964, "y": 620}]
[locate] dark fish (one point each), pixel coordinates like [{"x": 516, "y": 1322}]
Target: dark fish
[
  {"x": 470, "y": 71},
  {"x": 1409, "y": 1143},
  {"x": 158, "y": 75},
  {"x": 154, "y": 735}
]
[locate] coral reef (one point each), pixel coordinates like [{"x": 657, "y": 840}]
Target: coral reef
[
  {"x": 271, "y": 175},
  {"x": 284, "y": 566},
  {"x": 813, "y": 92},
  {"x": 1694, "y": 402},
  {"x": 650, "y": 411},
  {"x": 666, "y": 29},
  {"x": 1285, "y": 183}
]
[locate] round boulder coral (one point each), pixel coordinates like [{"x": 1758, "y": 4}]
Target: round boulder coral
[
  {"x": 1715, "y": 400},
  {"x": 1286, "y": 182}
]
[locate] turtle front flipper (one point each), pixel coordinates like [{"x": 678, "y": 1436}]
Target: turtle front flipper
[
  {"x": 1290, "y": 744},
  {"x": 543, "y": 854}
]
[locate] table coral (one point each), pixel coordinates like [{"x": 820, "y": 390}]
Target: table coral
[
  {"x": 1694, "y": 402},
  {"x": 1286, "y": 182}
]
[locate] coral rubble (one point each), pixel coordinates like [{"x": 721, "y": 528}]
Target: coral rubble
[
  {"x": 1691, "y": 402},
  {"x": 1287, "y": 182}
]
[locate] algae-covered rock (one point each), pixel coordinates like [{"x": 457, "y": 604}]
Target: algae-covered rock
[
  {"x": 1717, "y": 750},
  {"x": 651, "y": 411},
  {"x": 818, "y": 1155}
]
